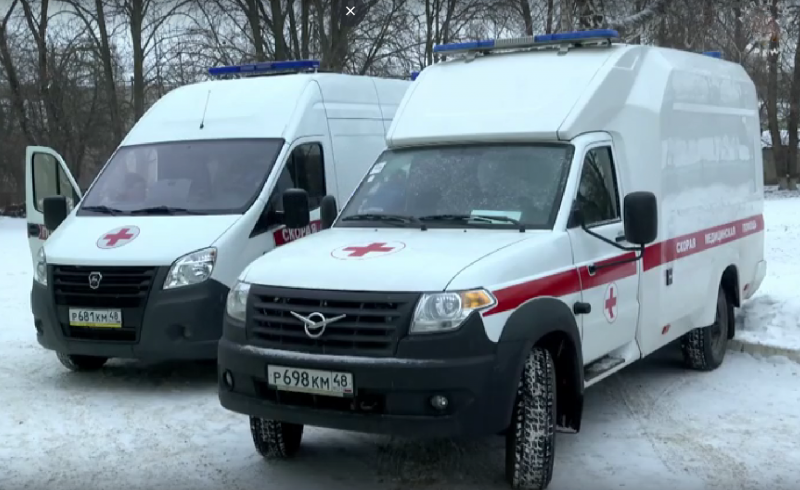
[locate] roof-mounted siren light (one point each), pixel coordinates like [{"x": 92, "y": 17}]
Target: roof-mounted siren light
[
  {"x": 295, "y": 66},
  {"x": 414, "y": 75},
  {"x": 577, "y": 38},
  {"x": 714, "y": 54}
]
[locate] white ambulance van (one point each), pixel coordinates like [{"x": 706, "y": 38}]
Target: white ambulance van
[
  {"x": 549, "y": 210},
  {"x": 141, "y": 267}
]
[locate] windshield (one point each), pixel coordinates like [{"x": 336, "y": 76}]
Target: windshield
[
  {"x": 197, "y": 177},
  {"x": 496, "y": 186}
]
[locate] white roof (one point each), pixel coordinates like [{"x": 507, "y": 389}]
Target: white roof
[
  {"x": 542, "y": 95},
  {"x": 261, "y": 107}
]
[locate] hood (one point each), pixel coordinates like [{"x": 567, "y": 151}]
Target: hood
[
  {"x": 369, "y": 259},
  {"x": 132, "y": 240}
]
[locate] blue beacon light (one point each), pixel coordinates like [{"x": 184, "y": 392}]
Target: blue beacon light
[
  {"x": 265, "y": 67},
  {"x": 528, "y": 41}
]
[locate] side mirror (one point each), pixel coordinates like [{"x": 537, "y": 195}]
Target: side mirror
[
  {"x": 296, "y": 213},
  {"x": 641, "y": 218},
  {"x": 55, "y": 211},
  {"x": 328, "y": 211}
]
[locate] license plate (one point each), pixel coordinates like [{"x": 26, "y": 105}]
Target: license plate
[
  {"x": 79, "y": 317},
  {"x": 330, "y": 383}
]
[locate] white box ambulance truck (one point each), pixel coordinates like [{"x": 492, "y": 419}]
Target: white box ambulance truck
[
  {"x": 549, "y": 210},
  {"x": 141, "y": 267}
]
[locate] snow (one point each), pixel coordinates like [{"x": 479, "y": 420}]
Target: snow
[
  {"x": 772, "y": 316},
  {"x": 654, "y": 425}
]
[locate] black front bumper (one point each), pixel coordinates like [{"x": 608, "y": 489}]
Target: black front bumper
[
  {"x": 178, "y": 324},
  {"x": 392, "y": 395}
]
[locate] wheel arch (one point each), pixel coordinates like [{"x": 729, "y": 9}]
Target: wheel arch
[{"x": 549, "y": 323}]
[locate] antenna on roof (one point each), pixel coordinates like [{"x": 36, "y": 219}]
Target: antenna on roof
[{"x": 205, "y": 109}]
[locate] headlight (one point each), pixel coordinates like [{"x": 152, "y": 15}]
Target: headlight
[
  {"x": 442, "y": 312},
  {"x": 192, "y": 268},
  {"x": 40, "y": 271},
  {"x": 236, "y": 304}
]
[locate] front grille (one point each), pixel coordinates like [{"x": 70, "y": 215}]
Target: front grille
[
  {"x": 120, "y": 287},
  {"x": 373, "y": 324}
]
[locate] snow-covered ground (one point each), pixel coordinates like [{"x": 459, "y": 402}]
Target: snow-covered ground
[
  {"x": 652, "y": 426},
  {"x": 772, "y": 316}
]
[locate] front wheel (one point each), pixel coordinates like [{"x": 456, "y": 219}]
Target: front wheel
[
  {"x": 704, "y": 348},
  {"x": 275, "y": 440},
  {"x": 531, "y": 438},
  {"x": 81, "y": 363}
]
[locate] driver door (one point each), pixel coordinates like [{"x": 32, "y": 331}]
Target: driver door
[{"x": 46, "y": 175}]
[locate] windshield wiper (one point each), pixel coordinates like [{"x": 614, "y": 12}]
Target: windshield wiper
[
  {"x": 167, "y": 210},
  {"x": 102, "y": 209},
  {"x": 397, "y": 219},
  {"x": 472, "y": 217}
]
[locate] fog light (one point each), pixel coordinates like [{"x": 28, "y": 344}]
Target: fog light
[
  {"x": 439, "y": 402},
  {"x": 227, "y": 378}
]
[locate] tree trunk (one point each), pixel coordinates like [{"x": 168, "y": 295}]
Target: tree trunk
[
  {"x": 108, "y": 73},
  {"x": 136, "y": 19},
  {"x": 773, "y": 55},
  {"x": 527, "y": 17},
  {"x": 794, "y": 115},
  {"x": 17, "y": 97}
]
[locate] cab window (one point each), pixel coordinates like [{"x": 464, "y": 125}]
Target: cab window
[
  {"x": 305, "y": 169},
  {"x": 598, "y": 192},
  {"x": 49, "y": 180}
]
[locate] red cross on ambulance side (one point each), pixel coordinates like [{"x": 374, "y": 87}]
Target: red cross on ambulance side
[{"x": 610, "y": 303}]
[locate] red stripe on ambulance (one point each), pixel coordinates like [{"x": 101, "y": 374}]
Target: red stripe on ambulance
[{"x": 574, "y": 280}]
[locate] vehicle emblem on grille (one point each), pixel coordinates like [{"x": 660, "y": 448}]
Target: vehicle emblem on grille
[
  {"x": 316, "y": 323},
  {"x": 94, "y": 279}
]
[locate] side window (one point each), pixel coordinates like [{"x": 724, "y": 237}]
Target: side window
[
  {"x": 598, "y": 193},
  {"x": 49, "y": 179},
  {"x": 305, "y": 169}
]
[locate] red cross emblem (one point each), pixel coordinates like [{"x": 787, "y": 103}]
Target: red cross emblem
[
  {"x": 610, "y": 303},
  {"x": 118, "y": 237},
  {"x": 376, "y": 249}
]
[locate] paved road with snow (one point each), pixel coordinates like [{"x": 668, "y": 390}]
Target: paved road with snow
[{"x": 135, "y": 426}]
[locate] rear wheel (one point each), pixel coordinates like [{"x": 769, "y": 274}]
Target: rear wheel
[
  {"x": 704, "y": 348},
  {"x": 275, "y": 440},
  {"x": 531, "y": 438},
  {"x": 81, "y": 363}
]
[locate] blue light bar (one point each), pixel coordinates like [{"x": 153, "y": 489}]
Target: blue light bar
[
  {"x": 577, "y": 37},
  {"x": 414, "y": 75},
  {"x": 714, "y": 54},
  {"x": 265, "y": 67},
  {"x": 467, "y": 46}
]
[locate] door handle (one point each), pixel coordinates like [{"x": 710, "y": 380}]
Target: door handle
[{"x": 33, "y": 230}]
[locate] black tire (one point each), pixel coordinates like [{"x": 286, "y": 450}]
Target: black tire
[
  {"x": 531, "y": 438},
  {"x": 275, "y": 440},
  {"x": 81, "y": 363},
  {"x": 704, "y": 348}
]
